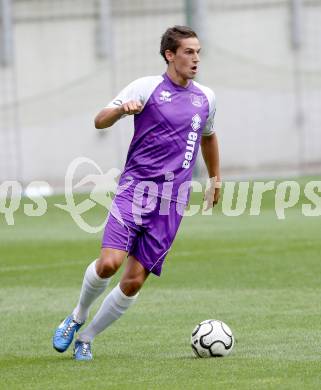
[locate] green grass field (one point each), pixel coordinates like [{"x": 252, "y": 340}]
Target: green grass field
[{"x": 259, "y": 274}]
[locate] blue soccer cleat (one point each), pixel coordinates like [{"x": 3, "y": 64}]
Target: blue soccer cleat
[
  {"x": 64, "y": 334},
  {"x": 82, "y": 351}
]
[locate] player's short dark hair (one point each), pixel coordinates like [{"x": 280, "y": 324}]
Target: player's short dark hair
[{"x": 172, "y": 37}]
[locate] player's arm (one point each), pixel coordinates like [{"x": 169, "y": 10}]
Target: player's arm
[
  {"x": 210, "y": 152},
  {"x": 108, "y": 116}
]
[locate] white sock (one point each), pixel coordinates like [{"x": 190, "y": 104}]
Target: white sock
[
  {"x": 92, "y": 286},
  {"x": 114, "y": 305}
]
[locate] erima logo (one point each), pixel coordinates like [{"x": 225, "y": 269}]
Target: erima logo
[
  {"x": 165, "y": 96},
  {"x": 196, "y": 122}
]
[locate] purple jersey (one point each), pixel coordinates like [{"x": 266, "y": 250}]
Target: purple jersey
[{"x": 167, "y": 134}]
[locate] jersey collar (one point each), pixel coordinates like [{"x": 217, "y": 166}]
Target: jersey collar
[{"x": 176, "y": 86}]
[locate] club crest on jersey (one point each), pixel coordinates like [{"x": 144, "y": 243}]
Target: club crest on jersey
[
  {"x": 165, "y": 96},
  {"x": 196, "y": 100}
]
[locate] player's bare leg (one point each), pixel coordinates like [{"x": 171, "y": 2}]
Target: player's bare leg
[
  {"x": 109, "y": 261},
  {"x": 113, "y": 307},
  {"x": 133, "y": 277}
]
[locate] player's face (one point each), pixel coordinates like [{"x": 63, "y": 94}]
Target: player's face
[{"x": 185, "y": 60}]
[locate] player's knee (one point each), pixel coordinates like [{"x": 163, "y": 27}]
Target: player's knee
[
  {"x": 131, "y": 286},
  {"x": 107, "y": 265}
]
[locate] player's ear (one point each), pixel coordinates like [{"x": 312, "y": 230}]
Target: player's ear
[{"x": 169, "y": 55}]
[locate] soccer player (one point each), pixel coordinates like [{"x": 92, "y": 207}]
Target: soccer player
[{"x": 173, "y": 115}]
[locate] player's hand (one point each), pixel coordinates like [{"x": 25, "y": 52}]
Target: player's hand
[
  {"x": 212, "y": 196},
  {"x": 132, "y": 107}
]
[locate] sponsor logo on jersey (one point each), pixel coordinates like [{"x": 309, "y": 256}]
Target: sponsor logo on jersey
[
  {"x": 197, "y": 100},
  {"x": 191, "y": 140},
  {"x": 165, "y": 96}
]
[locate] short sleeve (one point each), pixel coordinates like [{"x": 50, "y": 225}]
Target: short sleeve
[
  {"x": 139, "y": 90},
  {"x": 209, "y": 126}
]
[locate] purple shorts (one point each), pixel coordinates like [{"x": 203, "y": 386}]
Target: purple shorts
[{"x": 144, "y": 226}]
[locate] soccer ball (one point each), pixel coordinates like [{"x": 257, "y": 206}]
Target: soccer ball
[{"x": 212, "y": 338}]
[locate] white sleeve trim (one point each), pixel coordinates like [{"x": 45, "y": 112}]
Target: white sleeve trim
[
  {"x": 209, "y": 126},
  {"x": 208, "y": 134}
]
